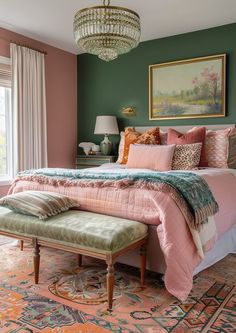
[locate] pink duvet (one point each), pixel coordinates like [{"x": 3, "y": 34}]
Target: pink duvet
[{"x": 159, "y": 209}]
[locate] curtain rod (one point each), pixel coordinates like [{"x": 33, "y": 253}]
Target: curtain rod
[{"x": 24, "y": 45}]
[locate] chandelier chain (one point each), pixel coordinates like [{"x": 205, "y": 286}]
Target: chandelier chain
[{"x": 108, "y": 3}]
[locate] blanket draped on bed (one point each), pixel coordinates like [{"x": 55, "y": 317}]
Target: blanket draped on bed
[{"x": 186, "y": 188}]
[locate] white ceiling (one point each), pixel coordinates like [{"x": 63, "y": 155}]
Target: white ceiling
[{"x": 51, "y": 21}]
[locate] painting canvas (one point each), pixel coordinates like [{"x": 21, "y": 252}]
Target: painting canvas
[{"x": 192, "y": 88}]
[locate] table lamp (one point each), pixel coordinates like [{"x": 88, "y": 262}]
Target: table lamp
[{"x": 106, "y": 125}]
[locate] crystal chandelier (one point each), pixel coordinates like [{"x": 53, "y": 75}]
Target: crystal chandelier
[{"x": 107, "y": 31}]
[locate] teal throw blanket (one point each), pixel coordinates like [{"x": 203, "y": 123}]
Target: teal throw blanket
[{"x": 192, "y": 187}]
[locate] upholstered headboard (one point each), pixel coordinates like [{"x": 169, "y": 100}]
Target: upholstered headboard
[{"x": 142, "y": 129}]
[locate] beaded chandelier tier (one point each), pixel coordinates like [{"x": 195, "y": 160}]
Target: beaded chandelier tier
[{"x": 107, "y": 31}]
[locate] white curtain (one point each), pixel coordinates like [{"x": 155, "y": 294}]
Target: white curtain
[{"x": 29, "y": 108}]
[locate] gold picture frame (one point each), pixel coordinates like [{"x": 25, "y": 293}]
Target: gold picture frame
[{"x": 192, "y": 88}]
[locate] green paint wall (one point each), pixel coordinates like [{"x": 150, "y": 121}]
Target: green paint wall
[{"x": 104, "y": 88}]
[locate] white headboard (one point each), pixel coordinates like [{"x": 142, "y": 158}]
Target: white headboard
[{"x": 142, "y": 129}]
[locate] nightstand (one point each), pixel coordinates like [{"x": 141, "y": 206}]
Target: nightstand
[{"x": 91, "y": 161}]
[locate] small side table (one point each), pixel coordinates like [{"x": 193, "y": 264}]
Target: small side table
[{"x": 91, "y": 161}]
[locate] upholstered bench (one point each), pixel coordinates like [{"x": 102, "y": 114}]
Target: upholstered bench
[{"x": 80, "y": 232}]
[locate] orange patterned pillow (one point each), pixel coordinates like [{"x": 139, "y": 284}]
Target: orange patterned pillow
[
  {"x": 150, "y": 137},
  {"x": 121, "y": 146}
]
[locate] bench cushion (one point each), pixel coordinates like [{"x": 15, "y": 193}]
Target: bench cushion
[{"x": 86, "y": 229}]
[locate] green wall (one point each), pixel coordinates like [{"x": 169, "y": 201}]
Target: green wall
[{"x": 104, "y": 88}]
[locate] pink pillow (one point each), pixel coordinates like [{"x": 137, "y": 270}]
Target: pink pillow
[
  {"x": 221, "y": 148},
  {"x": 195, "y": 135},
  {"x": 154, "y": 157}
]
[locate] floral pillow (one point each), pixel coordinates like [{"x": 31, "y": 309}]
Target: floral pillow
[
  {"x": 186, "y": 157},
  {"x": 150, "y": 137}
]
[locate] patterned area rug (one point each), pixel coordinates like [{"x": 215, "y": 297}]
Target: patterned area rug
[
  {"x": 71, "y": 299},
  {"x": 6, "y": 240}
]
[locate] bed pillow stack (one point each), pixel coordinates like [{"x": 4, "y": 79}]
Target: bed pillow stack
[
  {"x": 195, "y": 135},
  {"x": 150, "y": 137},
  {"x": 218, "y": 146},
  {"x": 195, "y": 148}
]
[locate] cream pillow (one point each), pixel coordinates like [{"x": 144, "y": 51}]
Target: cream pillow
[{"x": 121, "y": 147}]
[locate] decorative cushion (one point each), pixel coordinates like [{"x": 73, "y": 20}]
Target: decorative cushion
[
  {"x": 220, "y": 147},
  {"x": 195, "y": 135},
  {"x": 154, "y": 157},
  {"x": 90, "y": 230},
  {"x": 121, "y": 147},
  {"x": 186, "y": 157},
  {"x": 163, "y": 136},
  {"x": 37, "y": 203},
  {"x": 150, "y": 137}
]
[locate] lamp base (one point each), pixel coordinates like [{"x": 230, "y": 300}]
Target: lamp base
[{"x": 106, "y": 146}]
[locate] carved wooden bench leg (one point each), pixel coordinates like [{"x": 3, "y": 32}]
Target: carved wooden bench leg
[
  {"x": 110, "y": 282},
  {"x": 36, "y": 260},
  {"x": 21, "y": 245},
  {"x": 143, "y": 255},
  {"x": 80, "y": 260}
]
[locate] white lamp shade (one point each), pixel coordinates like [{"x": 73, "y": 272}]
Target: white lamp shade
[{"x": 106, "y": 125}]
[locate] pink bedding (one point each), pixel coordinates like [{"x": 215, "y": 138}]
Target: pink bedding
[{"x": 159, "y": 209}]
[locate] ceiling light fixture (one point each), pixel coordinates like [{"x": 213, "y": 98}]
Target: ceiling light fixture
[{"x": 107, "y": 31}]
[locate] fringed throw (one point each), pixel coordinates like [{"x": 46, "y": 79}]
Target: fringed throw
[{"x": 189, "y": 191}]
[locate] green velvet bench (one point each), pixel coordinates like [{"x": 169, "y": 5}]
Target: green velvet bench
[{"x": 84, "y": 233}]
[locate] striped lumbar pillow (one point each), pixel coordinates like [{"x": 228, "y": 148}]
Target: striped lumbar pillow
[{"x": 38, "y": 203}]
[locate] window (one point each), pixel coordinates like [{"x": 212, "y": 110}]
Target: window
[{"x": 5, "y": 121}]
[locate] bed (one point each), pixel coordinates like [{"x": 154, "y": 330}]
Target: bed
[{"x": 171, "y": 249}]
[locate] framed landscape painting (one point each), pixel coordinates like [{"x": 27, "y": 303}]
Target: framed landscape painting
[{"x": 193, "y": 88}]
